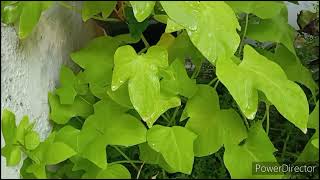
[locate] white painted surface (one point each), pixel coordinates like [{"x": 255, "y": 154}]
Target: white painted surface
[
  {"x": 294, "y": 10},
  {"x": 30, "y": 68}
]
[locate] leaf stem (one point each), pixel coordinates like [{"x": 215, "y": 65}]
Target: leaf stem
[
  {"x": 243, "y": 36},
  {"x": 145, "y": 42},
  {"x": 143, "y": 50},
  {"x": 140, "y": 170},
  {"x": 126, "y": 157},
  {"x": 212, "y": 81},
  {"x": 196, "y": 72},
  {"x": 173, "y": 117},
  {"x": 268, "y": 120},
  {"x": 265, "y": 113},
  {"x": 165, "y": 117},
  {"x": 85, "y": 100},
  {"x": 285, "y": 146},
  {"x": 216, "y": 84}
]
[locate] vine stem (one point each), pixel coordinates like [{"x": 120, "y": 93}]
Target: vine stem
[
  {"x": 140, "y": 170},
  {"x": 126, "y": 157},
  {"x": 243, "y": 36},
  {"x": 145, "y": 42},
  {"x": 216, "y": 84},
  {"x": 268, "y": 120},
  {"x": 173, "y": 117},
  {"x": 165, "y": 117},
  {"x": 285, "y": 146},
  {"x": 212, "y": 81},
  {"x": 196, "y": 72}
]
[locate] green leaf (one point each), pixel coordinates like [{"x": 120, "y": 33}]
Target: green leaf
[
  {"x": 12, "y": 154},
  {"x": 314, "y": 124},
  {"x": 239, "y": 159},
  {"x": 27, "y": 14},
  {"x": 38, "y": 170},
  {"x": 115, "y": 171},
  {"x": 166, "y": 40},
  {"x": 91, "y": 8},
  {"x": 97, "y": 60},
  {"x": 314, "y": 118},
  {"x": 66, "y": 92},
  {"x": 293, "y": 68},
  {"x": 136, "y": 28},
  {"x": 179, "y": 83},
  {"x": 23, "y": 171},
  {"x": 30, "y": 15},
  {"x": 109, "y": 125},
  {"x": 126, "y": 39},
  {"x": 276, "y": 29},
  {"x": 175, "y": 144},
  {"x": 310, "y": 151},
  {"x": 182, "y": 48},
  {"x": 161, "y": 18},
  {"x": 69, "y": 136},
  {"x": 61, "y": 113},
  {"x": 81, "y": 84},
  {"x": 121, "y": 96},
  {"x": 172, "y": 26},
  {"x": 32, "y": 140},
  {"x": 22, "y": 129},
  {"x": 8, "y": 126},
  {"x": 143, "y": 86},
  {"x": 256, "y": 72},
  {"x": 10, "y": 12},
  {"x": 58, "y": 152},
  {"x": 142, "y": 9},
  {"x": 213, "y": 126},
  {"x": 150, "y": 156},
  {"x": 215, "y": 38},
  {"x": 262, "y": 9}
]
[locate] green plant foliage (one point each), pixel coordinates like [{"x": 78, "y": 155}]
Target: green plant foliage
[
  {"x": 262, "y": 9},
  {"x": 209, "y": 122},
  {"x": 256, "y": 72},
  {"x": 92, "y": 8},
  {"x": 175, "y": 144},
  {"x": 26, "y": 13},
  {"x": 97, "y": 132},
  {"x": 143, "y": 86},
  {"x": 293, "y": 67},
  {"x": 142, "y": 9},
  {"x": 98, "y": 74},
  {"x": 276, "y": 29},
  {"x": 179, "y": 83},
  {"x": 164, "y": 94},
  {"x": 193, "y": 16},
  {"x": 17, "y": 139},
  {"x": 257, "y": 148},
  {"x": 135, "y": 27},
  {"x": 61, "y": 113}
]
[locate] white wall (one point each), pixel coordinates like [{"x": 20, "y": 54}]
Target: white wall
[{"x": 30, "y": 68}]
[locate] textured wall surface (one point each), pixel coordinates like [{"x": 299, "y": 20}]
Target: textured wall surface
[{"x": 30, "y": 68}]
